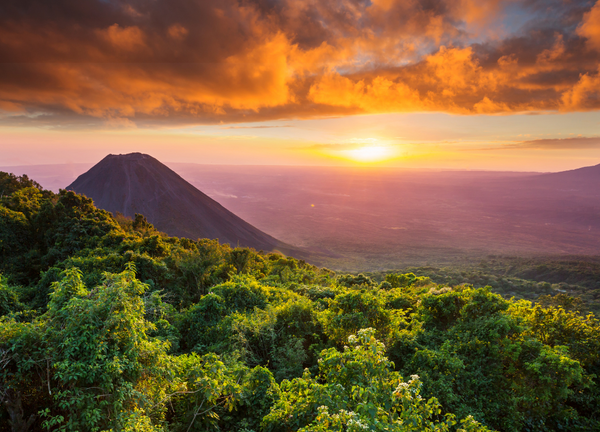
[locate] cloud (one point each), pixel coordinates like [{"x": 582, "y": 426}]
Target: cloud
[
  {"x": 590, "y": 27},
  {"x": 574, "y": 143},
  {"x": 127, "y": 39},
  {"x": 332, "y": 147},
  {"x": 129, "y": 62},
  {"x": 571, "y": 143},
  {"x": 352, "y": 144},
  {"x": 256, "y": 127},
  {"x": 585, "y": 94}
]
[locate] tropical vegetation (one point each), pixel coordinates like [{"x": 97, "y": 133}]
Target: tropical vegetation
[{"x": 109, "y": 325}]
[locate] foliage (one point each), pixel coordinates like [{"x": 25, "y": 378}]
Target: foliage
[
  {"x": 9, "y": 299},
  {"x": 479, "y": 358},
  {"x": 107, "y": 324},
  {"x": 537, "y": 279},
  {"x": 10, "y": 183},
  {"x": 357, "y": 390},
  {"x": 351, "y": 311}
]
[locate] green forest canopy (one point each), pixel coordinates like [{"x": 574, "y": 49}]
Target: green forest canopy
[{"x": 109, "y": 325}]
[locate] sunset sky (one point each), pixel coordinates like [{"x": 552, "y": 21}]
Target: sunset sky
[{"x": 458, "y": 84}]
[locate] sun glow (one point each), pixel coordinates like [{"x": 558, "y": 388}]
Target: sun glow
[{"x": 373, "y": 153}]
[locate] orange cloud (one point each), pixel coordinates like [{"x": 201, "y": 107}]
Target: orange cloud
[
  {"x": 585, "y": 95},
  {"x": 225, "y": 61},
  {"x": 590, "y": 27},
  {"x": 488, "y": 106},
  {"x": 476, "y": 11},
  {"x": 449, "y": 80},
  {"x": 177, "y": 32},
  {"x": 128, "y": 38},
  {"x": 380, "y": 95}
]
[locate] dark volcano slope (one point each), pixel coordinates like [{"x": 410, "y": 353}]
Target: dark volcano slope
[{"x": 138, "y": 183}]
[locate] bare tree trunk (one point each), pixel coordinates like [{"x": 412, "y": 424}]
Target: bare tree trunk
[{"x": 14, "y": 406}]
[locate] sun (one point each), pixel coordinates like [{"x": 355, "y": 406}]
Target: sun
[{"x": 366, "y": 154}]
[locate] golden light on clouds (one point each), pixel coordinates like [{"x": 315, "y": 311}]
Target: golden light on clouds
[
  {"x": 442, "y": 83},
  {"x": 177, "y": 62}
]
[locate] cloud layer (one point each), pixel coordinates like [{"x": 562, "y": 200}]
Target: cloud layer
[{"x": 190, "y": 62}]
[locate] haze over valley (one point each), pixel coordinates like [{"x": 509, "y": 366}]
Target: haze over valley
[{"x": 378, "y": 218}]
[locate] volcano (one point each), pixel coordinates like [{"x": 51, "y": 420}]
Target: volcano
[{"x": 138, "y": 183}]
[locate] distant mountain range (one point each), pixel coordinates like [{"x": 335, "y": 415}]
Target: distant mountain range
[
  {"x": 138, "y": 183},
  {"x": 585, "y": 180}
]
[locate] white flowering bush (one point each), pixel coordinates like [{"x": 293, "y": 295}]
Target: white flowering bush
[{"x": 357, "y": 390}]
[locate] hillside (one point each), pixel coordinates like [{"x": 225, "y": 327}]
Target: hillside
[
  {"x": 586, "y": 179},
  {"x": 138, "y": 183},
  {"x": 110, "y": 325}
]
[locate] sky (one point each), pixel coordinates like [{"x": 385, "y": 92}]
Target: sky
[{"x": 442, "y": 84}]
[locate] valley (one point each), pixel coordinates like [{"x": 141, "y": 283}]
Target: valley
[{"x": 373, "y": 219}]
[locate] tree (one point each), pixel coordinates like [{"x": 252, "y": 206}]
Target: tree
[
  {"x": 356, "y": 389},
  {"x": 10, "y": 183}
]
